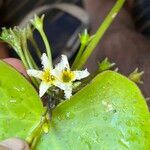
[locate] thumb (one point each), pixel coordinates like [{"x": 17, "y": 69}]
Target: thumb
[
  {"x": 14, "y": 144},
  {"x": 17, "y": 64}
]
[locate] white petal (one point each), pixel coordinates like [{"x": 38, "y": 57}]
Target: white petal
[
  {"x": 35, "y": 73},
  {"x": 46, "y": 62},
  {"x": 81, "y": 74},
  {"x": 43, "y": 88},
  {"x": 63, "y": 63},
  {"x": 67, "y": 88},
  {"x": 63, "y": 86},
  {"x": 56, "y": 73},
  {"x": 68, "y": 94}
]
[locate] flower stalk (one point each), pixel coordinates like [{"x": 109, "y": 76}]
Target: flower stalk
[
  {"x": 99, "y": 34},
  {"x": 37, "y": 22},
  {"x": 62, "y": 80},
  {"x": 31, "y": 39},
  {"x": 85, "y": 39}
]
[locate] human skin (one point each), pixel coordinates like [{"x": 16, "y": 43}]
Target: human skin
[
  {"x": 17, "y": 64},
  {"x": 14, "y": 144}
]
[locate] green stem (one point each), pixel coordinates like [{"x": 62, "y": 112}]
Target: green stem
[
  {"x": 32, "y": 60},
  {"x": 29, "y": 59},
  {"x": 22, "y": 57},
  {"x": 32, "y": 138},
  {"x": 48, "y": 49},
  {"x": 102, "y": 29},
  {"x": 25, "y": 49},
  {"x": 82, "y": 47},
  {"x": 38, "y": 52}
]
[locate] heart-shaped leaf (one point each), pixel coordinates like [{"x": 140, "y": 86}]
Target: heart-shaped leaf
[
  {"x": 108, "y": 114},
  {"x": 20, "y": 106}
]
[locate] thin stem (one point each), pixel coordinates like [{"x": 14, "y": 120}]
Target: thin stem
[
  {"x": 25, "y": 49},
  {"x": 38, "y": 52},
  {"x": 102, "y": 29},
  {"x": 82, "y": 47},
  {"x": 29, "y": 59},
  {"x": 32, "y": 60},
  {"x": 48, "y": 49},
  {"x": 22, "y": 57},
  {"x": 32, "y": 138}
]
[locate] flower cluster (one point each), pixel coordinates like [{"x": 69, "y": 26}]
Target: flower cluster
[{"x": 61, "y": 76}]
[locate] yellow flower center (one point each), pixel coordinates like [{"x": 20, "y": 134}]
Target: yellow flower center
[
  {"x": 47, "y": 77},
  {"x": 67, "y": 75}
]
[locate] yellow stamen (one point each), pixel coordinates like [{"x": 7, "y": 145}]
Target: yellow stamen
[
  {"x": 47, "y": 77},
  {"x": 67, "y": 76}
]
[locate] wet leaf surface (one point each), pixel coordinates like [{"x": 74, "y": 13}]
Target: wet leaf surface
[
  {"x": 20, "y": 106},
  {"x": 108, "y": 114}
]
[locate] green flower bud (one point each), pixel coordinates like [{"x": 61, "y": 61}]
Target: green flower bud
[
  {"x": 11, "y": 37},
  {"x": 105, "y": 65},
  {"x": 136, "y": 76},
  {"x": 37, "y": 22},
  {"x": 85, "y": 38}
]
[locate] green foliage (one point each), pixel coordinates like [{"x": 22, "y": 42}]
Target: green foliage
[
  {"x": 20, "y": 106},
  {"x": 109, "y": 113},
  {"x": 105, "y": 65},
  {"x": 113, "y": 116},
  {"x": 85, "y": 38},
  {"x": 99, "y": 34},
  {"x": 12, "y": 37},
  {"x": 37, "y": 22},
  {"x": 136, "y": 76}
]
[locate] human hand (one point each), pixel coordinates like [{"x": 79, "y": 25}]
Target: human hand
[
  {"x": 17, "y": 64},
  {"x": 14, "y": 144}
]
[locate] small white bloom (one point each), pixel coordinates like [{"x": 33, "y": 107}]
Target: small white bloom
[
  {"x": 45, "y": 75},
  {"x": 65, "y": 76}
]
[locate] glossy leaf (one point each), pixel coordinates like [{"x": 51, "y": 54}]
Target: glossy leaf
[
  {"x": 108, "y": 114},
  {"x": 20, "y": 106}
]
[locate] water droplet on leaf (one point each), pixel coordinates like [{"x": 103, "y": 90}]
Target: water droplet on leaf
[
  {"x": 12, "y": 101},
  {"x": 45, "y": 128}
]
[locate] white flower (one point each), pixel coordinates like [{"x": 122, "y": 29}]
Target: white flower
[
  {"x": 66, "y": 77},
  {"x": 61, "y": 76},
  {"x": 45, "y": 75}
]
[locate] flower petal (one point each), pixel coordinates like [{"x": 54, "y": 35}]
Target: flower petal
[
  {"x": 45, "y": 62},
  {"x": 56, "y": 73},
  {"x": 43, "y": 88},
  {"x": 35, "y": 73},
  {"x": 81, "y": 74},
  {"x": 67, "y": 88},
  {"x": 63, "y": 63},
  {"x": 63, "y": 86},
  {"x": 68, "y": 94}
]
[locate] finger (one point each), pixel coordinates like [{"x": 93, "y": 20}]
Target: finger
[
  {"x": 17, "y": 64},
  {"x": 4, "y": 148},
  {"x": 14, "y": 144}
]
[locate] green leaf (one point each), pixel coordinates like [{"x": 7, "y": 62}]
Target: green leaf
[
  {"x": 108, "y": 114},
  {"x": 20, "y": 106}
]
